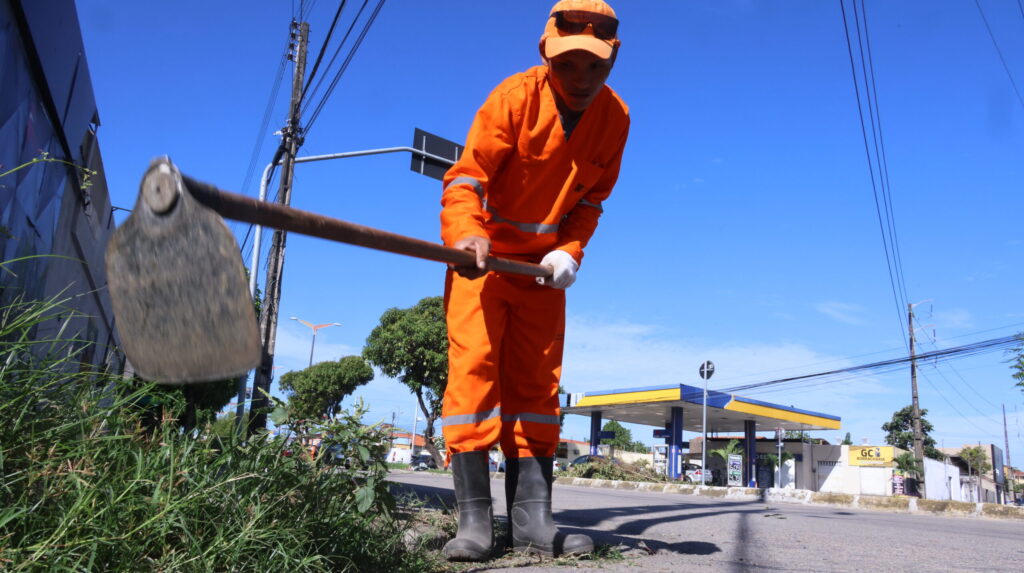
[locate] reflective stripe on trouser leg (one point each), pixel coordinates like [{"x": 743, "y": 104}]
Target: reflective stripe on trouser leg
[{"x": 530, "y": 369}]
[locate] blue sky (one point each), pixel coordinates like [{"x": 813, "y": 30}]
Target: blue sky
[{"x": 743, "y": 228}]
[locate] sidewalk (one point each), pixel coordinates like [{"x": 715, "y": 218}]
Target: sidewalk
[{"x": 891, "y": 504}]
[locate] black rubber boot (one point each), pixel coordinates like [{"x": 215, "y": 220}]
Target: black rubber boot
[
  {"x": 533, "y": 529},
  {"x": 473, "y": 495},
  {"x": 511, "y": 480}
]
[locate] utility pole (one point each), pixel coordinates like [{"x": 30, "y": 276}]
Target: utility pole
[
  {"x": 1008, "y": 480},
  {"x": 918, "y": 435},
  {"x": 291, "y": 141}
]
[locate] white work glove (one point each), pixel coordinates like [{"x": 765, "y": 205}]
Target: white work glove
[{"x": 563, "y": 268}]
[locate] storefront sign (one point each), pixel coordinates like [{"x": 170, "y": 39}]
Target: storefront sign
[
  {"x": 897, "y": 483},
  {"x": 871, "y": 455},
  {"x": 735, "y": 469}
]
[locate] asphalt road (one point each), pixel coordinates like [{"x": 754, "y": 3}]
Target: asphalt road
[{"x": 673, "y": 532}]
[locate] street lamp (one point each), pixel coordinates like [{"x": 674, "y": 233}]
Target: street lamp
[{"x": 315, "y": 328}]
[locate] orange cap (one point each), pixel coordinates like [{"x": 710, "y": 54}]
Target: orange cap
[{"x": 555, "y": 41}]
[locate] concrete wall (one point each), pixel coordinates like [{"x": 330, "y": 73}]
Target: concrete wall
[
  {"x": 47, "y": 107},
  {"x": 942, "y": 481},
  {"x": 833, "y": 473}
]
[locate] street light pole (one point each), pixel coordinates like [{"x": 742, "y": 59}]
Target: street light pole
[{"x": 315, "y": 328}]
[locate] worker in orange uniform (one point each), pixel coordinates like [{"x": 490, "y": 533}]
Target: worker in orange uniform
[{"x": 541, "y": 158}]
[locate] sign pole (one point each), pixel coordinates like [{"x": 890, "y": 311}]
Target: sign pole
[
  {"x": 706, "y": 370},
  {"x": 779, "y": 435}
]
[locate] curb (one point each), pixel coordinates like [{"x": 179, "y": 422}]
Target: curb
[{"x": 891, "y": 504}]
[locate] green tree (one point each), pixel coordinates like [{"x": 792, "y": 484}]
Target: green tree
[
  {"x": 411, "y": 345},
  {"x": 977, "y": 462},
  {"x": 731, "y": 448},
  {"x": 318, "y": 390},
  {"x": 638, "y": 446},
  {"x": 1017, "y": 362},
  {"x": 847, "y": 441},
  {"x": 797, "y": 435},
  {"x": 623, "y": 437},
  {"x": 899, "y": 432},
  {"x": 976, "y": 459},
  {"x": 907, "y": 463}
]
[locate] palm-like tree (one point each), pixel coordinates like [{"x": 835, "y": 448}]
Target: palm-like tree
[{"x": 732, "y": 448}]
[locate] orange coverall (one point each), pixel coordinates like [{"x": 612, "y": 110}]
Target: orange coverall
[{"x": 528, "y": 188}]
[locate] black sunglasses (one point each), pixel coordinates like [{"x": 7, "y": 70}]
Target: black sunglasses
[{"x": 576, "y": 21}]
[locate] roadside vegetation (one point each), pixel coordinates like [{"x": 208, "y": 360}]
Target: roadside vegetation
[
  {"x": 97, "y": 474},
  {"x": 614, "y": 470}
]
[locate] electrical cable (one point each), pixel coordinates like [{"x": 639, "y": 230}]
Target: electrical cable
[
  {"x": 966, "y": 350},
  {"x": 849, "y": 358},
  {"x": 308, "y": 101},
  {"x": 345, "y": 64},
  {"x": 323, "y": 49},
  {"x": 933, "y": 344},
  {"x": 883, "y": 163},
  {"x": 1000, "y": 52},
  {"x": 962, "y": 397},
  {"x": 957, "y": 410},
  {"x": 264, "y": 124},
  {"x": 304, "y": 13},
  {"x": 890, "y": 263}
]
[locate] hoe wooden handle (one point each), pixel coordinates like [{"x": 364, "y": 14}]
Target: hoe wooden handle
[{"x": 277, "y": 216}]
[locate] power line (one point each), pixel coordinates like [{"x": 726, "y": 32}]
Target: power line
[
  {"x": 955, "y": 371},
  {"x": 885, "y": 223},
  {"x": 886, "y": 351},
  {"x": 883, "y": 164},
  {"x": 1000, "y": 52},
  {"x": 344, "y": 66},
  {"x": 308, "y": 101},
  {"x": 962, "y": 397},
  {"x": 955, "y": 409},
  {"x": 323, "y": 48},
  {"x": 261, "y": 132},
  {"x": 966, "y": 350}
]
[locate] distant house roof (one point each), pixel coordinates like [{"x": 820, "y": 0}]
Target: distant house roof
[{"x": 420, "y": 440}]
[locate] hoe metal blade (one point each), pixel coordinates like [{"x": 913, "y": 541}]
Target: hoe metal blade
[{"x": 179, "y": 287}]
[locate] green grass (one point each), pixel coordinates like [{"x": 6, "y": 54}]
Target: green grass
[{"x": 95, "y": 478}]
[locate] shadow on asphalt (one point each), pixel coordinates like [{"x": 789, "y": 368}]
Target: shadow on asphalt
[
  {"x": 644, "y": 516},
  {"x": 685, "y": 547},
  {"x": 583, "y": 520}
]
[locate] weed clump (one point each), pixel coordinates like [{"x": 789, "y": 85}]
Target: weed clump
[{"x": 94, "y": 477}]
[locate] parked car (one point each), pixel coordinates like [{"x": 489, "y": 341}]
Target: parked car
[
  {"x": 692, "y": 474},
  {"x": 557, "y": 466},
  {"x": 588, "y": 458},
  {"x": 422, "y": 462}
]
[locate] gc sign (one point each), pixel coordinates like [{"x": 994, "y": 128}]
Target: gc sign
[{"x": 871, "y": 455}]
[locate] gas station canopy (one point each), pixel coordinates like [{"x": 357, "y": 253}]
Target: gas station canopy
[{"x": 652, "y": 406}]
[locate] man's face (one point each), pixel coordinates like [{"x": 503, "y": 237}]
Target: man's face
[{"x": 577, "y": 77}]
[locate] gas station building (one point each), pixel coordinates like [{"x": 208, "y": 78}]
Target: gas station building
[{"x": 674, "y": 408}]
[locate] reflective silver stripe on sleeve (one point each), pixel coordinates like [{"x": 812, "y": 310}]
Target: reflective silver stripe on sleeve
[
  {"x": 469, "y": 180},
  {"x": 470, "y": 418},
  {"x": 531, "y": 417},
  {"x": 538, "y": 228},
  {"x": 589, "y": 204}
]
